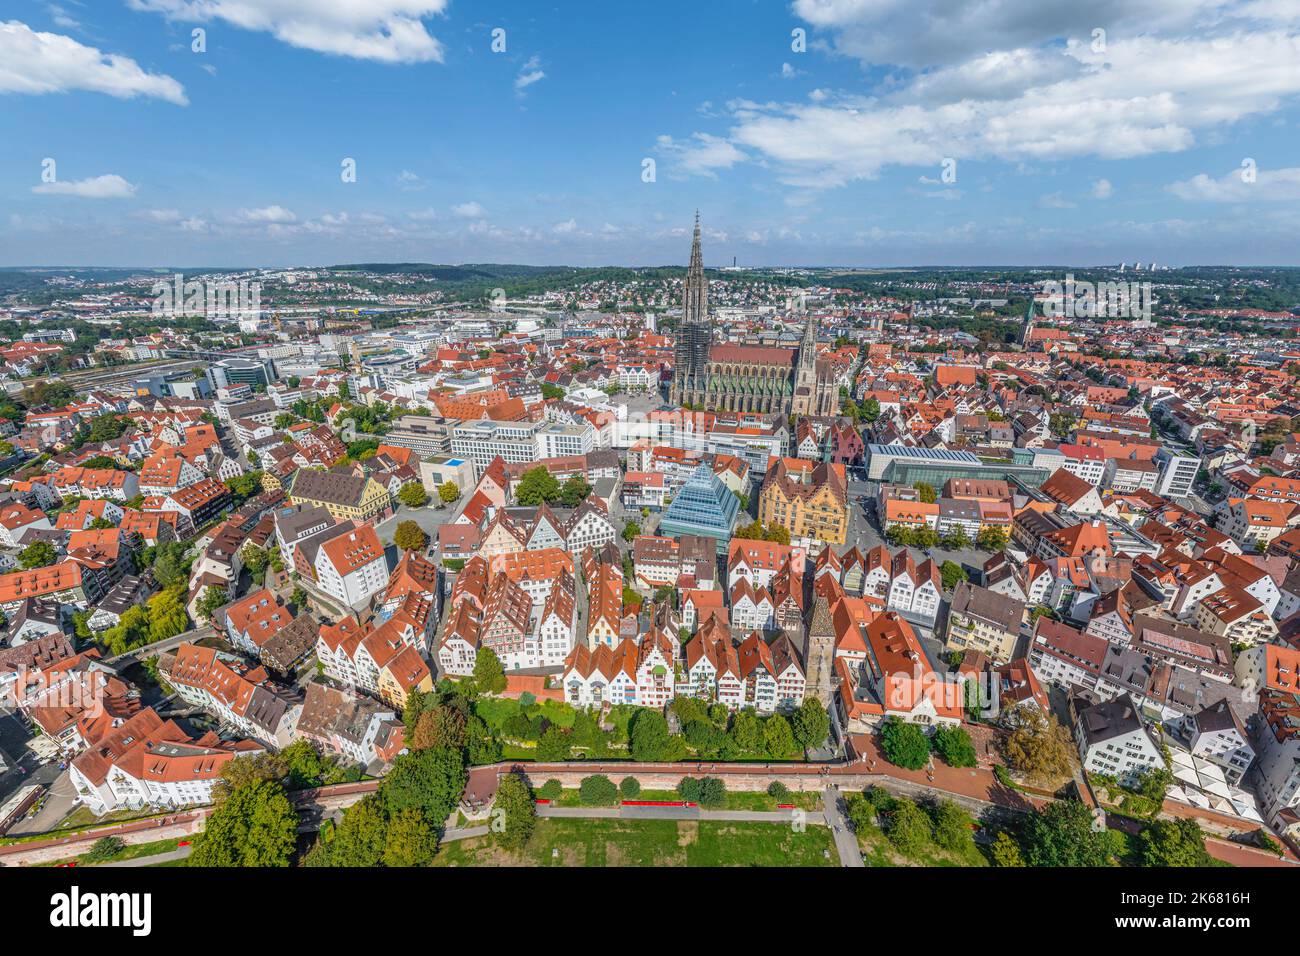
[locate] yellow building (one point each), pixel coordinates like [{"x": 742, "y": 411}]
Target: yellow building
[
  {"x": 344, "y": 495},
  {"x": 809, "y": 503}
]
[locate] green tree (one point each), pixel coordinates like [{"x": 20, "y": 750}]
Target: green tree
[
  {"x": 303, "y": 765},
  {"x": 597, "y": 791},
  {"x": 952, "y": 574},
  {"x": 871, "y": 409},
  {"x": 956, "y": 540},
  {"x": 167, "y": 614},
  {"x": 1005, "y": 851},
  {"x": 1039, "y": 746},
  {"x": 482, "y": 747},
  {"x": 104, "y": 849},
  {"x": 903, "y": 744},
  {"x": 431, "y": 781},
  {"x": 1174, "y": 843},
  {"x": 551, "y": 790},
  {"x": 255, "y": 825},
  {"x": 554, "y": 745},
  {"x": 925, "y": 538},
  {"x": 746, "y": 732},
  {"x": 629, "y": 788},
  {"x": 954, "y": 745},
  {"x": 514, "y": 813},
  {"x": 926, "y": 492},
  {"x": 862, "y": 812},
  {"x": 952, "y": 828},
  {"x": 575, "y": 491},
  {"x": 630, "y": 531},
  {"x": 649, "y": 736},
  {"x": 778, "y": 739},
  {"x": 448, "y": 492},
  {"x": 810, "y": 723},
  {"x": 169, "y": 563},
  {"x": 413, "y": 495},
  {"x": 245, "y": 486},
  {"x": 439, "y": 726},
  {"x": 712, "y": 793},
  {"x": 991, "y": 539},
  {"x": 489, "y": 676},
  {"x": 416, "y": 704},
  {"x": 255, "y": 560},
  {"x": 409, "y": 536},
  {"x": 1062, "y": 834},
  {"x": 360, "y": 839},
  {"x": 907, "y": 827},
  {"x": 536, "y": 486},
  {"x": 551, "y": 392},
  {"x": 38, "y": 554},
  {"x": 213, "y": 598}
]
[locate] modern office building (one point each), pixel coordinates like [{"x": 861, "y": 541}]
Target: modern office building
[
  {"x": 238, "y": 371},
  {"x": 1177, "y": 473},
  {"x": 423, "y": 434}
]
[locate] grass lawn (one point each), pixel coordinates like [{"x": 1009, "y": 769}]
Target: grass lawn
[
  {"x": 132, "y": 851},
  {"x": 756, "y": 800},
  {"x": 877, "y": 850},
  {"x": 78, "y": 820},
  {"x": 563, "y": 842}
]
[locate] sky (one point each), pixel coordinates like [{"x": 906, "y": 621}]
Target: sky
[{"x": 587, "y": 132}]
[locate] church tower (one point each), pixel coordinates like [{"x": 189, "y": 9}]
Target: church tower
[
  {"x": 695, "y": 333},
  {"x": 806, "y": 399}
]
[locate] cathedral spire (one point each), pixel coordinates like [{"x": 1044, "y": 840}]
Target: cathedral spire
[
  {"x": 695, "y": 301},
  {"x": 808, "y": 345}
]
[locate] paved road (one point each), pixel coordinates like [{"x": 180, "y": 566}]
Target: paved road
[
  {"x": 464, "y": 833},
  {"x": 846, "y": 843},
  {"x": 429, "y": 519},
  {"x": 180, "y": 853},
  {"x": 59, "y": 801}
]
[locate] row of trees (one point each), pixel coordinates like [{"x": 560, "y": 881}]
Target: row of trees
[
  {"x": 988, "y": 539},
  {"x": 757, "y": 531},
  {"x": 906, "y": 745}
]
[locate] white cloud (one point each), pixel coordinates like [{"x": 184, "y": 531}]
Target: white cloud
[
  {"x": 927, "y": 33},
  {"x": 35, "y": 62},
  {"x": 409, "y": 181},
  {"x": 1102, "y": 189},
  {"x": 788, "y": 72},
  {"x": 468, "y": 210},
  {"x": 1270, "y": 185},
  {"x": 271, "y": 214},
  {"x": 565, "y": 228},
  {"x": 62, "y": 18},
  {"x": 1144, "y": 95},
  {"x": 164, "y": 216},
  {"x": 387, "y": 31},
  {"x": 530, "y": 73},
  {"x": 109, "y": 186},
  {"x": 1055, "y": 201},
  {"x": 702, "y": 155}
]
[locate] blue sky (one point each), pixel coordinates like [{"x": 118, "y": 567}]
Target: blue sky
[{"x": 1069, "y": 145}]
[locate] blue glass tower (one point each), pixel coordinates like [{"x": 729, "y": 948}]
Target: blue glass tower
[{"x": 704, "y": 506}]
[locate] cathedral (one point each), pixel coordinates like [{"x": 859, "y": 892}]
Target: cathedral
[{"x": 744, "y": 378}]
